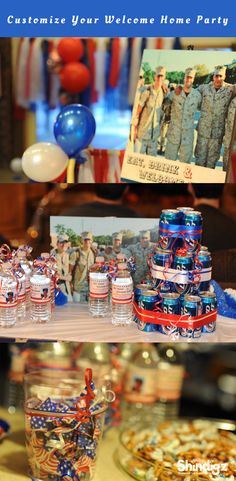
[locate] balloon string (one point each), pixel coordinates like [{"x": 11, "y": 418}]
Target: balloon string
[{"x": 71, "y": 171}]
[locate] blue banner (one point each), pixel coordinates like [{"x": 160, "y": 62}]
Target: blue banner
[{"x": 117, "y": 19}]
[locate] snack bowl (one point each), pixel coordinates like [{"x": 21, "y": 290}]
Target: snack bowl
[{"x": 161, "y": 451}]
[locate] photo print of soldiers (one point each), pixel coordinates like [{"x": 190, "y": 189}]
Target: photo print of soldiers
[
  {"x": 165, "y": 121},
  {"x": 117, "y": 248},
  {"x": 184, "y": 105},
  {"x": 140, "y": 251},
  {"x": 180, "y": 121},
  {"x": 65, "y": 265},
  {"x": 216, "y": 97},
  {"x": 84, "y": 259},
  {"x": 147, "y": 119}
]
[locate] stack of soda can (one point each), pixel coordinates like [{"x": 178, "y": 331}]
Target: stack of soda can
[{"x": 179, "y": 248}]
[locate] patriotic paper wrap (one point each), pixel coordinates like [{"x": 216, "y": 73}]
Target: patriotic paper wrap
[{"x": 62, "y": 436}]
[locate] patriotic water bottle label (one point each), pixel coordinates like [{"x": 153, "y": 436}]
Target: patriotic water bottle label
[
  {"x": 169, "y": 382},
  {"x": 122, "y": 291},
  {"x": 40, "y": 291},
  {"x": 140, "y": 385},
  {"x": 98, "y": 285},
  {"x": 22, "y": 289},
  {"x": 8, "y": 293}
]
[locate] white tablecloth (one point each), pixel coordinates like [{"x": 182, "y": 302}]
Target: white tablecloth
[{"x": 73, "y": 322}]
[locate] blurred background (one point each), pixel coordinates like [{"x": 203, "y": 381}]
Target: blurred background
[
  {"x": 33, "y": 89},
  {"x": 206, "y": 384}
]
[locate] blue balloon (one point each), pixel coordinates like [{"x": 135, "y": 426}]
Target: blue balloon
[{"x": 74, "y": 128}]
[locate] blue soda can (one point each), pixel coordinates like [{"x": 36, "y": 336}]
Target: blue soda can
[
  {"x": 173, "y": 217},
  {"x": 209, "y": 304},
  {"x": 165, "y": 287},
  {"x": 147, "y": 301},
  {"x": 192, "y": 306},
  {"x": 137, "y": 293},
  {"x": 204, "y": 248},
  {"x": 182, "y": 263},
  {"x": 204, "y": 261},
  {"x": 185, "y": 209},
  {"x": 170, "y": 305},
  {"x": 161, "y": 258},
  {"x": 192, "y": 219}
]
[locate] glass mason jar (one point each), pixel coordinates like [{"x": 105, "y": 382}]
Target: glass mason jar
[{"x": 64, "y": 418}]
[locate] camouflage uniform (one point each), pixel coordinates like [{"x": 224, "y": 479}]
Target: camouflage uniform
[
  {"x": 64, "y": 266},
  {"x": 211, "y": 124},
  {"x": 165, "y": 122},
  {"x": 117, "y": 250},
  {"x": 85, "y": 259},
  {"x": 141, "y": 255},
  {"x": 229, "y": 126},
  {"x": 149, "y": 123},
  {"x": 180, "y": 135}
]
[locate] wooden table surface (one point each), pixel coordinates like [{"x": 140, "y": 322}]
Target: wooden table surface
[
  {"x": 73, "y": 322},
  {"x": 13, "y": 461}
]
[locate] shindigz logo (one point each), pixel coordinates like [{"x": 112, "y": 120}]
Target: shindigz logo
[{"x": 204, "y": 468}]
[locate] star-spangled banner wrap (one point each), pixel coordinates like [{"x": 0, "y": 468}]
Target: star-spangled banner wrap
[
  {"x": 185, "y": 321},
  {"x": 180, "y": 277}
]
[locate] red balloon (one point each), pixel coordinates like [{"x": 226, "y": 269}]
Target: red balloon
[
  {"x": 70, "y": 49},
  {"x": 75, "y": 77}
]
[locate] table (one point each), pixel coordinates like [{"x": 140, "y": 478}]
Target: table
[
  {"x": 13, "y": 461},
  {"x": 74, "y": 323}
]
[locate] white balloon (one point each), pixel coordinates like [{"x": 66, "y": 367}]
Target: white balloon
[
  {"x": 16, "y": 165},
  {"x": 44, "y": 162}
]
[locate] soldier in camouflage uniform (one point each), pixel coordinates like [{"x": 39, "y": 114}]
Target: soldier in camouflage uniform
[
  {"x": 184, "y": 105},
  {"x": 64, "y": 265},
  {"x": 229, "y": 128},
  {"x": 147, "y": 121},
  {"x": 116, "y": 246},
  {"x": 165, "y": 122},
  {"x": 140, "y": 252},
  {"x": 85, "y": 259},
  {"x": 216, "y": 97}
]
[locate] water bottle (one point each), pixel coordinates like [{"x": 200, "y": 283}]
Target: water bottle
[
  {"x": 21, "y": 255},
  {"x": 40, "y": 293},
  {"x": 98, "y": 289},
  {"x": 51, "y": 264},
  {"x": 122, "y": 296},
  {"x": 169, "y": 379},
  {"x": 21, "y": 278},
  {"x": 95, "y": 355},
  {"x": 15, "y": 392},
  {"x": 140, "y": 383},
  {"x": 8, "y": 295}
]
